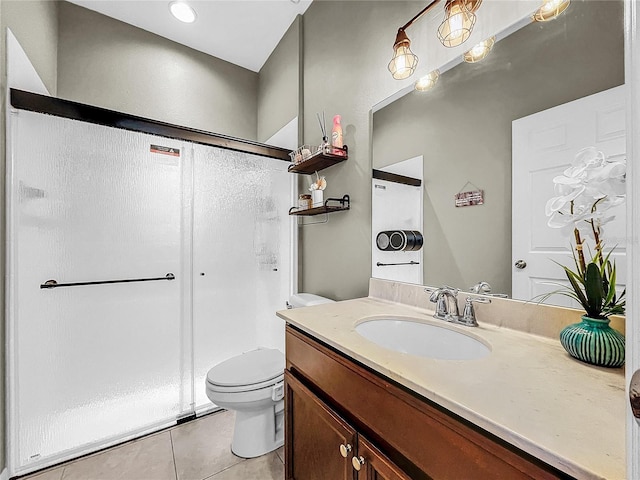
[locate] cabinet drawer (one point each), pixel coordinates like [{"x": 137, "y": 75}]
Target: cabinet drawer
[{"x": 436, "y": 442}]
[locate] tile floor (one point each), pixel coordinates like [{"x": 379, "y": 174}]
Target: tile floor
[{"x": 197, "y": 450}]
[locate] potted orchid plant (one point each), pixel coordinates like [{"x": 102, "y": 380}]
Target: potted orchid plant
[{"x": 585, "y": 194}]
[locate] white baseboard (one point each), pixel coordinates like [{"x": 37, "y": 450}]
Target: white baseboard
[{"x": 4, "y": 475}]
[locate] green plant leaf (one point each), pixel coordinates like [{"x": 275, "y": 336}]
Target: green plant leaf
[
  {"x": 611, "y": 294},
  {"x": 594, "y": 290},
  {"x": 580, "y": 296}
]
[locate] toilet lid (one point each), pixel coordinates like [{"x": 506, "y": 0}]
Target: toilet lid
[{"x": 253, "y": 367}]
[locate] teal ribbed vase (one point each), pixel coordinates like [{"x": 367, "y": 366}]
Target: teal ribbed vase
[{"x": 594, "y": 341}]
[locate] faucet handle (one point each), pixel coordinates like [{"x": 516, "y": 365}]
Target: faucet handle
[
  {"x": 434, "y": 293},
  {"x": 469, "y": 313}
]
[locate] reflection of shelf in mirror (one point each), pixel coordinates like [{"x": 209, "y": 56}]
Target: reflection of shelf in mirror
[
  {"x": 319, "y": 161},
  {"x": 344, "y": 204}
]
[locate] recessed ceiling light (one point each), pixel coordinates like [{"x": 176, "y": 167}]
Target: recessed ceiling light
[{"x": 182, "y": 12}]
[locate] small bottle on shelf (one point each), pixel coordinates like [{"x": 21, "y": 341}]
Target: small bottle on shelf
[{"x": 336, "y": 136}]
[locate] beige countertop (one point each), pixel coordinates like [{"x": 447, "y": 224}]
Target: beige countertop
[{"x": 528, "y": 391}]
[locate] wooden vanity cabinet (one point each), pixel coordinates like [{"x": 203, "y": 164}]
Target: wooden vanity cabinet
[
  {"x": 321, "y": 445},
  {"x": 331, "y": 400},
  {"x": 314, "y": 437}
]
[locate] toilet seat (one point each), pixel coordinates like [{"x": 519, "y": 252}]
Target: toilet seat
[
  {"x": 252, "y": 370},
  {"x": 245, "y": 388}
]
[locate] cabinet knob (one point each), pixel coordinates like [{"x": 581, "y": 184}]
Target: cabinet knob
[
  {"x": 345, "y": 449},
  {"x": 357, "y": 463}
]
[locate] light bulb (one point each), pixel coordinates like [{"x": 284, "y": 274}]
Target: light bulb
[
  {"x": 404, "y": 61},
  {"x": 457, "y": 24},
  {"x": 479, "y": 51},
  {"x": 428, "y": 81},
  {"x": 550, "y": 9},
  {"x": 182, "y": 12}
]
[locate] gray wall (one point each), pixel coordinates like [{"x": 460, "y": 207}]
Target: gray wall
[
  {"x": 279, "y": 84},
  {"x": 35, "y": 25},
  {"x": 463, "y": 129},
  {"x": 105, "y": 62},
  {"x": 347, "y": 46}
]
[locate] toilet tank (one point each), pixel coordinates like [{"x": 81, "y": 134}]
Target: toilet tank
[{"x": 306, "y": 300}]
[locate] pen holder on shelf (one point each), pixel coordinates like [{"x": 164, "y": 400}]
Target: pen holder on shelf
[{"x": 317, "y": 198}]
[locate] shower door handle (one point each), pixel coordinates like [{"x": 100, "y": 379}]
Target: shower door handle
[{"x": 54, "y": 284}]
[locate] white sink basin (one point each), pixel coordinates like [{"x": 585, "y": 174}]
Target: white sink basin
[{"x": 422, "y": 339}]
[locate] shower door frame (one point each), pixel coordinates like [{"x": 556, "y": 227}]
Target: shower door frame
[{"x": 27, "y": 101}]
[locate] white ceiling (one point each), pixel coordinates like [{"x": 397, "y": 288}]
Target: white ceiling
[{"x": 243, "y": 32}]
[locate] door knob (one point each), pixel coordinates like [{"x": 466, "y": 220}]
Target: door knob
[
  {"x": 345, "y": 449},
  {"x": 357, "y": 463},
  {"x": 634, "y": 394},
  {"x": 520, "y": 264}
]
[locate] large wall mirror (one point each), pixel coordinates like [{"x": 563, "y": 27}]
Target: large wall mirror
[{"x": 464, "y": 130}]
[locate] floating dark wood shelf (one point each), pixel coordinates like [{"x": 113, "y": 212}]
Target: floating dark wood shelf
[
  {"x": 344, "y": 204},
  {"x": 319, "y": 161}
]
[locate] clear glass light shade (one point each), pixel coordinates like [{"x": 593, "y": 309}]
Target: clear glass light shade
[
  {"x": 479, "y": 51},
  {"x": 182, "y": 12},
  {"x": 404, "y": 61},
  {"x": 457, "y": 24},
  {"x": 428, "y": 81},
  {"x": 550, "y": 9}
]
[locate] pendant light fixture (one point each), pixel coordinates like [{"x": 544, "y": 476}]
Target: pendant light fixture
[
  {"x": 428, "y": 81},
  {"x": 455, "y": 29},
  {"x": 458, "y": 22},
  {"x": 404, "y": 61},
  {"x": 479, "y": 51},
  {"x": 550, "y": 9}
]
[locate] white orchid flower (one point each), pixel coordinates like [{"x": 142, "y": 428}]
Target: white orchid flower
[
  {"x": 585, "y": 191},
  {"x": 556, "y": 204}
]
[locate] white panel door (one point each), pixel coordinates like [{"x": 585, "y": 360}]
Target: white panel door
[
  {"x": 544, "y": 145},
  {"x": 90, "y": 364}
]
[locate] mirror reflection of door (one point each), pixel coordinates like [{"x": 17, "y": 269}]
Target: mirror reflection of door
[{"x": 544, "y": 145}]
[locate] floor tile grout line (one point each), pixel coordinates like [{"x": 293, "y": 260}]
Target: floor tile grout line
[
  {"x": 173, "y": 455},
  {"x": 123, "y": 445}
]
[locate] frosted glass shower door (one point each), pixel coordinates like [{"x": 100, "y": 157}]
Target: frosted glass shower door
[
  {"x": 242, "y": 253},
  {"x": 92, "y": 364}
]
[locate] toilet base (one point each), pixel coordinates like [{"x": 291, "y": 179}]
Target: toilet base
[{"x": 257, "y": 432}]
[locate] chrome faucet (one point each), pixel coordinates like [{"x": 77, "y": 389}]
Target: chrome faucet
[
  {"x": 446, "y": 300},
  {"x": 481, "y": 288},
  {"x": 484, "y": 288}
]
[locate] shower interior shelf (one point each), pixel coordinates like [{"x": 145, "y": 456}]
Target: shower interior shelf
[
  {"x": 319, "y": 161},
  {"x": 329, "y": 206}
]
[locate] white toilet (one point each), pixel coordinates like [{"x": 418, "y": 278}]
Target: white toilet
[{"x": 252, "y": 384}]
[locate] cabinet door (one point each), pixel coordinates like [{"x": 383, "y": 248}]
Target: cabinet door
[
  {"x": 314, "y": 437},
  {"x": 371, "y": 464}
]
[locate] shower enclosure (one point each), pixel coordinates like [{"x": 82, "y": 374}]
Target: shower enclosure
[{"x": 136, "y": 262}]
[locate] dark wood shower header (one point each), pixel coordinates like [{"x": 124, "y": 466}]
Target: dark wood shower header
[{"x": 87, "y": 113}]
